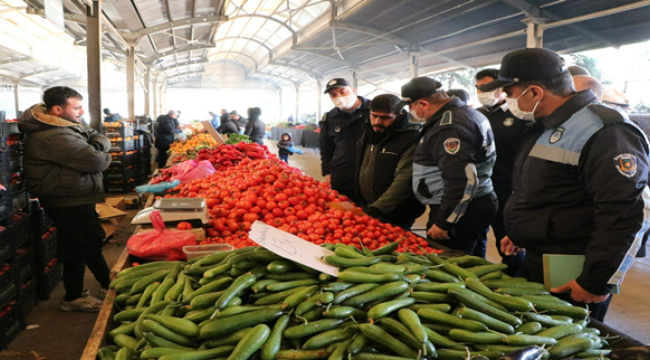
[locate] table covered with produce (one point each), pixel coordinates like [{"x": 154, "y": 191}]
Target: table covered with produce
[{"x": 392, "y": 295}]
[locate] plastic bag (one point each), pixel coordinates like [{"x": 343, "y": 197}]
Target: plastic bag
[
  {"x": 191, "y": 170},
  {"x": 294, "y": 150},
  {"x": 157, "y": 188},
  {"x": 160, "y": 244}
]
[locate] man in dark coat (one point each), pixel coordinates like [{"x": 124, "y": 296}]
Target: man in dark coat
[
  {"x": 255, "y": 128},
  {"x": 164, "y": 130},
  {"x": 63, "y": 166}
]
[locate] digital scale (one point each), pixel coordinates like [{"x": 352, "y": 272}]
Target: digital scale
[{"x": 175, "y": 210}]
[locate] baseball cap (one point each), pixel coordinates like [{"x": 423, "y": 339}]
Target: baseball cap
[
  {"x": 419, "y": 87},
  {"x": 336, "y": 83},
  {"x": 525, "y": 65}
]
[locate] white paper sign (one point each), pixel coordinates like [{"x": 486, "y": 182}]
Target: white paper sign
[{"x": 292, "y": 247}]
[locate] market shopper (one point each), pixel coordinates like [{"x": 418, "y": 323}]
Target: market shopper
[
  {"x": 238, "y": 120},
  {"x": 214, "y": 120},
  {"x": 584, "y": 82},
  {"x": 227, "y": 127},
  {"x": 110, "y": 117},
  {"x": 284, "y": 144},
  {"x": 580, "y": 178},
  {"x": 384, "y": 162},
  {"x": 255, "y": 128},
  {"x": 63, "y": 166},
  {"x": 507, "y": 129},
  {"x": 341, "y": 128},
  {"x": 224, "y": 115},
  {"x": 452, "y": 164},
  {"x": 164, "y": 130}
]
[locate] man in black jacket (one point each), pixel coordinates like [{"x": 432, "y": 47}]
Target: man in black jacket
[
  {"x": 452, "y": 165},
  {"x": 507, "y": 129},
  {"x": 255, "y": 128},
  {"x": 580, "y": 178},
  {"x": 385, "y": 164},
  {"x": 164, "y": 130},
  {"x": 341, "y": 128}
]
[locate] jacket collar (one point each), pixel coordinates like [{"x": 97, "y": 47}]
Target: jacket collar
[
  {"x": 566, "y": 110},
  {"x": 453, "y": 102}
]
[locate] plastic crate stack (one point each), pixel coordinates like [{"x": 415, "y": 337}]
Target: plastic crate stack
[
  {"x": 123, "y": 174},
  {"x": 49, "y": 272},
  {"x": 16, "y": 260}
]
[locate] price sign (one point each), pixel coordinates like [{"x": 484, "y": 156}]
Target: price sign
[{"x": 292, "y": 247}]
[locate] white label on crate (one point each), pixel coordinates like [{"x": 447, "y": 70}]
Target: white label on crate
[{"x": 292, "y": 247}]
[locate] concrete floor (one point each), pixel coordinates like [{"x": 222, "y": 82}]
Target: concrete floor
[{"x": 63, "y": 336}]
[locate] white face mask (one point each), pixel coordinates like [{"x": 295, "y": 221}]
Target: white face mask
[
  {"x": 487, "y": 99},
  {"x": 415, "y": 116},
  {"x": 513, "y": 106},
  {"x": 345, "y": 102}
]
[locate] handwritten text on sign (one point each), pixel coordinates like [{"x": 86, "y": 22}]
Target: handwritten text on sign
[{"x": 292, "y": 247}]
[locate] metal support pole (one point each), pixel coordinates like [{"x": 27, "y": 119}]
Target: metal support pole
[
  {"x": 414, "y": 66},
  {"x": 130, "y": 82},
  {"x": 319, "y": 99},
  {"x": 147, "y": 92},
  {"x": 17, "y": 97},
  {"x": 280, "y": 101},
  {"x": 534, "y": 32},
  {"x": 355, "y": 81},
  {"x": 162, "y": 94},
  {"x": 94, "y": 62},
  {"x": 156, "y": 111},
  {"x": 297, "y": 103}
]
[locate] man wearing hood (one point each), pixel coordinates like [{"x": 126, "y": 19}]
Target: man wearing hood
[
  {"x": 385, "y": 163},
  {"x": 341, "y": 128},
  {"x": 227, "y": 127},
  {"x": 63, "y": 167},
  {"x": 255, "y": 128},
  {"x": 452, "y": 165},
  {"x": 508, "y": 130}
]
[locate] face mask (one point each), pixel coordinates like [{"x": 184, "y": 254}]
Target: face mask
[
  {"x": 345, "y": 102},
  {"x": 487, "y": 99},
  {"x": 513, "y": 105},
  {"x": 415, "y": 116}
]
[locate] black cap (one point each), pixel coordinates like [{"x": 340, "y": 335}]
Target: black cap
[
  {"x": 525, "y": 65},
  {"x": 336, "y": 83},
  {"x": 234, "y": 112},
  {"x": 419, "y": 87}
]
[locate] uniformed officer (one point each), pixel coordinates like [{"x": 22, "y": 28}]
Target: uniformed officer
[
  {"x": 341, "y": 128},
  {"x": 507, "y": 129},
  {"x": 580, "y": 178},
  {"x": 452, "y": 165}
]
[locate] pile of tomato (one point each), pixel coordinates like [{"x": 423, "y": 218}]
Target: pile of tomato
[{"x": 285, "y": 198}]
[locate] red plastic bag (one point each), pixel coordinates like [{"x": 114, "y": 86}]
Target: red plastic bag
[
  {"x": 160, "y": 244},
  {"x": 191, "y": 170}
]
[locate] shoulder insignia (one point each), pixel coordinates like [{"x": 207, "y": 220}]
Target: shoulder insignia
[
  {"x": 626, "y": 164},
  {"x": 556, "y": 136},
  {"x": 508, "y": 122},
  {"x": 324, "y": 118},
  {"x": 452, "y": 145},
  {"x": 446, "y": 118}
]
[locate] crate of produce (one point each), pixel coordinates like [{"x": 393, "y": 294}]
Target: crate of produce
[
  {"x": 14, "y": 183},
  {"x": 45, "y": 246},
  {"x": 25, "y": 265},
  {"x": 122, "y": 174},
  {"x": 6, "y": 202},
  {"x": 8, "y": 284},
  {"x": 122, "y": 146},
  {"x": 41, "y": 223},
  {"x": 125, "y": 157},
  {"x": 7, "y": 243},
  {"x": 27, "y": 296},
  {"x": 20, "y": 201},
  {"x": 117, "y": 129},
  {"x": 11, "y": 143},
  {"x": 22, "y": 227},
  {"x": 12, "y": 322},
  {"x": 120, "y": 186},
  {"x": 48, "y": 278}
]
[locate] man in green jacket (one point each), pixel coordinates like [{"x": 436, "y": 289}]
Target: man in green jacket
[{"x": 63, "y": 167}]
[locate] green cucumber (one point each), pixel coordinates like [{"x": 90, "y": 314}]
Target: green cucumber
[
  {"x": 525, "y": 340},
  {"x": 165, "y": 333},
  {"x": 344, "y": 312},
  {"x": 476, "y": 337},
  {"x": 235, "y": 289},
  {"x": 232, "y": 339},
  {"x": 489, "y": 321},
  {"x": 529, "y": 328},
  {"x": 199, "y": 354},
  {"x": 251, "y": 342},
  {"x": 444, "y": 318},
  {"x": 326, "y": 338},
  {"x": 353, "y": 291},
  {"x": 260, "y": 285},
  {"x": 440, "y": 307},
  {"x": 560, "y": 331},
  {"x": 437, "y": 288},
  {"x": 314, "y": 327},
  {"x": 302, "y": 354},
  {"x": 472, "y": 300},
  {"x": 222, "y": 326},
  {"x": 378, "y": 335},
  {"x": 272, "y": 345},
  {"x": 355, "y": 277},
  {"x": 282, "y": 286},
  {"x": 381, "y": 292}
]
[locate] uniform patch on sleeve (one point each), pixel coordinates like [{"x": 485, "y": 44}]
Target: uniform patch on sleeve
[
  {"x": 446, "y": 118},
  {"x": 452, "y": 146},
  {"x": 626, "y": 164},
  {"x": 324, "y": 118}
]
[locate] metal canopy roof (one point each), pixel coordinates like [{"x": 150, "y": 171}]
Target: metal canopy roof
[{"x": 295, "y": 42}]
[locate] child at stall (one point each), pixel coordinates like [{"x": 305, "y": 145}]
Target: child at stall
[{"x": 285, "y": 143}]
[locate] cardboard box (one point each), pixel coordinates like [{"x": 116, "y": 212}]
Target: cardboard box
[
  {"x": 199, "y": 233},
  {"x": 116, "y": 202},
  {"x": 110, "y": 217}
]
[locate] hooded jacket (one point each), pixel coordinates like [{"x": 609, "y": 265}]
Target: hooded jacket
[
  {"x": 163, "y": 130},
  {"x": 388, "y": 163},
  {"x": 63, "y": 163},
  {"x": 255, "y": 128},
  {"x": 227, "y": 127}
]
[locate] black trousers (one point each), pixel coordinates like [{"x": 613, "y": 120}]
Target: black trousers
[
  {"x": 466, "y": 235},
  {"x": 533, "y": 270},
  {"x": 79, "y": 239},
  {"x": 162, "y": 154},
  {"x": 498, "y": 226}
]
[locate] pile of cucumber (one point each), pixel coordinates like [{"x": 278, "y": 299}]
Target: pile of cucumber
[{"x": 251, "y": 303}]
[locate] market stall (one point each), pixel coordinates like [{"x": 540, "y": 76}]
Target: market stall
[{"x": 326, "y": 299}]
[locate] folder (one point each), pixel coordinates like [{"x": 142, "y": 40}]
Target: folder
[{"x": 560, "y": 269}]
